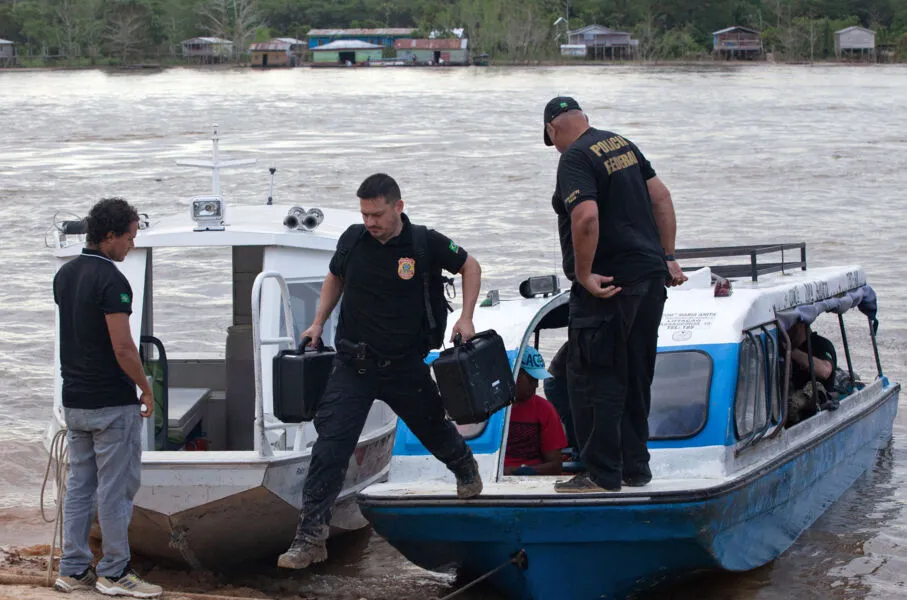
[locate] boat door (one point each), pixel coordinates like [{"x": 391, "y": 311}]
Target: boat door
[{"x": 516, "y": 321}]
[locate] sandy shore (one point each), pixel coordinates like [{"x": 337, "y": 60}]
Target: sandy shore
[{"x": 356, "y": 571}]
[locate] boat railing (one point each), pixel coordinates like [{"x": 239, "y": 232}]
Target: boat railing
[
  {"x": 753, "y": 268},
  {"x": 261, "y": 444}
]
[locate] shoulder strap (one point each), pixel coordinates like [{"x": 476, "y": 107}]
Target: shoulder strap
[
  {"x": 346, "y": 243},
  {"x": 420, "y": 246}
]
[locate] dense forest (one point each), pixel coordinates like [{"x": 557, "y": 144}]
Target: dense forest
[{"x": 123, "y": 31}]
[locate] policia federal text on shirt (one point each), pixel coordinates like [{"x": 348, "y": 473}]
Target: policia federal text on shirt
[{"x": 381, "y": 350}]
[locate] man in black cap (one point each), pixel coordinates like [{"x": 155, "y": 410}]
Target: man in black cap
[{"x": 617, "y": 228}]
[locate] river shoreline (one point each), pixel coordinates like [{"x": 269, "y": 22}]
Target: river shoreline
[{"x": 154, "y": 68}]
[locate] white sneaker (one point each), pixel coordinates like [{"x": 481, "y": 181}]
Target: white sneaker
[
  {"x": 67, "y": 584},
  {"x": 129, "y": 584}
]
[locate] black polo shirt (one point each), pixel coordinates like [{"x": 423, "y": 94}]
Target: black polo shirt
[
  {"x": 383, "y": 302},
  {"x": 608, "y": 169},
  {"x": 86, "y": 289}
]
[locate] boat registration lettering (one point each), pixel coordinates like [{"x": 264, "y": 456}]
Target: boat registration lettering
[{"x": 688, "y": 320}]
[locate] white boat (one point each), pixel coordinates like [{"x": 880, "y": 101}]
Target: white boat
[{"x": 240, "y": 497}]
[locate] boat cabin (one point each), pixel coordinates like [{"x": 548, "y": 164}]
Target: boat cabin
[
  {"x": 720, "y": 379},
  {"x": 274, "y": 259}
]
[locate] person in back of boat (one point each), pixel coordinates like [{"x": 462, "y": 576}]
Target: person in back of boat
[
  {"x": 802, "y": 404},
  {"x": 383, "y": 337},
  {"x": 556, "y": 393},
  {"x": 536, "y": 435},
  {"x": 617, "y": 227},
  {"x": 101, "y": 368}
]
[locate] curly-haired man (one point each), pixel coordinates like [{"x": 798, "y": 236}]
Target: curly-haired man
[{"x": 101, "y": 368}]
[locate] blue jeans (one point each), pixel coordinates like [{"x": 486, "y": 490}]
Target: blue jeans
[{"x": 105, "y": 471}]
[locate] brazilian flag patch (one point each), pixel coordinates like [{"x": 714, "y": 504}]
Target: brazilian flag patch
[
  {"x": 124, "y": 298},
  {"x": 454, "y": 248}
]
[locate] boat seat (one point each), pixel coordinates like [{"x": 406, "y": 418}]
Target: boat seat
[{"x": 187, "y": 405}]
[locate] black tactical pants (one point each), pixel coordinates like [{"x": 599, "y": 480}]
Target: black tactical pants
[
  {"x": 407, "y": 387},
  {"x": 609, "y": 376}
]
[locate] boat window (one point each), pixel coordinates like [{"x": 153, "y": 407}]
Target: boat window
[
  {"x": 757, "y": 403},
  {"x": 304, "y": 296},
  {"x": 680, "y": 394},
  {"x": 774, "y": 377}
]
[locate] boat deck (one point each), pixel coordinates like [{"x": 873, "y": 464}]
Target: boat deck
[{"x": 534, "y": 486}]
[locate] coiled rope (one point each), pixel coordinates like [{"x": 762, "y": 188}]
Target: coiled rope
[{"x": 59, "y": 460}]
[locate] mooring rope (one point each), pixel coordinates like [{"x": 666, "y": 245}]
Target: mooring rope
[
  {"x": 520, "y": 560},
  {"x": 59, "y": 460}
]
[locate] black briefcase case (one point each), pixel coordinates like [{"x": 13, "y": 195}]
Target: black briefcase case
[
  {"x": 475, "y": 378},
  {"x": 300, "y": 377}
]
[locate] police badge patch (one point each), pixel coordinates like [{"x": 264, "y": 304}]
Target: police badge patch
[{"x": 406, "y": 268}]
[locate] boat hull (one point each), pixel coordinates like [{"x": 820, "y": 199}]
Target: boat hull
[
  {"x": 215, "y": 513},
  {"x": 588, "y": 549}
]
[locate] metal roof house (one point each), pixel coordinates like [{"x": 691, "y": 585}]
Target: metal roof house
[
  {"x": 855, "y": 40},
  {"x": 345, "y": 52},
  {"x": 207, "y": 49},
  {"x": 451, "y": 51},
  {"x": 7, "y": 53},
  {"x": 601, "y": 42},
  {"x": 736, "y": 42},
  {"x": 382, "y": 37},
  {"x": 279, "y": 52}
]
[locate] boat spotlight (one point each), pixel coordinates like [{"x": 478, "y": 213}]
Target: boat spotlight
[
  {"x": 208, "y": 213},
  {"x": 540, "y": 286},
  {"x": 304, "y": 220}
]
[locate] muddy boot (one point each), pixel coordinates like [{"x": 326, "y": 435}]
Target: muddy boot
[
  {"x": 469, "y": 482},
  {"x": 303, "y": 553}
]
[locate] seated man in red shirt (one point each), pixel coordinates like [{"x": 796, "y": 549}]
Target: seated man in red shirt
[{"x": 536, "y": 435}]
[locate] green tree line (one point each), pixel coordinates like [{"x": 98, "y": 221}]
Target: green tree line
[{"x": 129, "y": 30}]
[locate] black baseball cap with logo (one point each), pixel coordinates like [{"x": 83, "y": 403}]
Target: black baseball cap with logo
[{"x": 555, "y": 107}]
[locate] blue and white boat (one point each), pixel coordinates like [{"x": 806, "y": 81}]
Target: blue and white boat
[{"x": 733, "y": 486}]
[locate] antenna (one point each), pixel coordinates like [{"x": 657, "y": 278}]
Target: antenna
[
  {"x": 271, "y": 190},
  {"x": 217, "y": 164}
]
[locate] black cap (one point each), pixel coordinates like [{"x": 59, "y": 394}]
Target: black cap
[{"x": 555, "y": 107}]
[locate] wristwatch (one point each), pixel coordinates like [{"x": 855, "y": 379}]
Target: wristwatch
[{"x": 669, "y": 258}]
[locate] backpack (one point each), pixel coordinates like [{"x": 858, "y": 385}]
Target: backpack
[{"x": 433, "y": 282}]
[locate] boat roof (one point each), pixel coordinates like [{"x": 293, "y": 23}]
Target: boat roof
[
  {"x": 260, "y": 225},
  {"x": 692, "y": 316}
]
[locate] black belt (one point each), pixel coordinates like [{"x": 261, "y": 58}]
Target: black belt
[{"x": 364, "y": 358}]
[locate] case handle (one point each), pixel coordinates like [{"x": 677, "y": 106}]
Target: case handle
[{"x": 319, "y": 347}]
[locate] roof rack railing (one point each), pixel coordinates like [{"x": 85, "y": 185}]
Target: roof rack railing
[{"x": 754, "y": 269}]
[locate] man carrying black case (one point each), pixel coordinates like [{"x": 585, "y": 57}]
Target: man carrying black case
[{"x": 393, "y": 313}]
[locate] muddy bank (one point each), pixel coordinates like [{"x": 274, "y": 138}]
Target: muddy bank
[{"x": 355, "y": 572}]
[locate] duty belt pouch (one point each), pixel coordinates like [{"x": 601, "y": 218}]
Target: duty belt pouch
[
  {"x": 474, "y": 378},
  {"x": 300, "y": 377}
]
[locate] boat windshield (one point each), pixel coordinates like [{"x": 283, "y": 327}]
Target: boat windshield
[{"x": 304, "y": 296}]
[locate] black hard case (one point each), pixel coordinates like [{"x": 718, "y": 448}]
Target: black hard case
[
  {"x": 300, "y": 377},
  {"x": 475, "y": 378}
]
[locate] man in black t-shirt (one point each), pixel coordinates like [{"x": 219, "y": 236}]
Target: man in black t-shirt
[
  {"x": 380, "y": 353},
  {"x": 101, "y": 368},
  {"x": 617, "y": 229}
]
